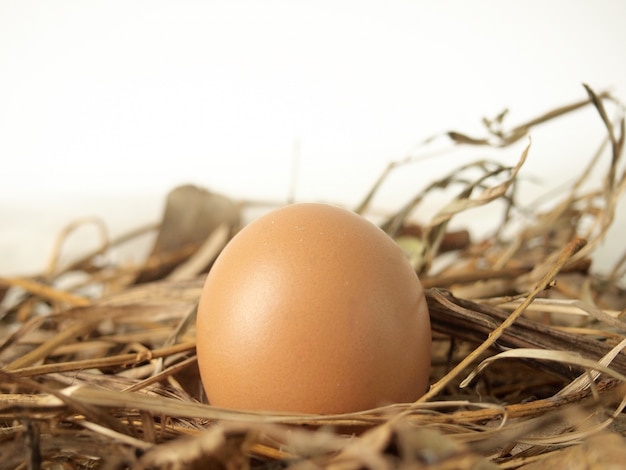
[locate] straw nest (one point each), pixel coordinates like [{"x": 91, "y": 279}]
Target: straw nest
[{"x": 98, "y": 366}]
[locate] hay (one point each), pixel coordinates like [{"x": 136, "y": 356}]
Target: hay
[{"x": 528, "y": 363}]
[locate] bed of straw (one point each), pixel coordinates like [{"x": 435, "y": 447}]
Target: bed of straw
[{"x": 98, "y": 365}]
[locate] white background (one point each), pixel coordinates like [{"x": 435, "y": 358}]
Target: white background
[{"x": 107, "y": 105}]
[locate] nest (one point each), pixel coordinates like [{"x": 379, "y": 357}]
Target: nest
[{"x": 98, "y": 366}]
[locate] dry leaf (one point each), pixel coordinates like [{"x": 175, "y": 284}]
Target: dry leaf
[
  {"x": 191, "y": 215},
  {"x": 216, "y": 448},
  {"x": 606, "y": 451}
]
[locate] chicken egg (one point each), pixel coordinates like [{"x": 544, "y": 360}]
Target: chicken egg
[{"x": 312, "y": 308}]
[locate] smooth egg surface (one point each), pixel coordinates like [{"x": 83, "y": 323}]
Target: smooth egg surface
[{"x": 313, "y": 309}]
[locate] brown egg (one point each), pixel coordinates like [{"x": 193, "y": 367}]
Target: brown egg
[{"x": 313, "y": 309}]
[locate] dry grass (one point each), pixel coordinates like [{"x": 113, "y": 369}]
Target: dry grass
[{"x": 528, "y": 365}]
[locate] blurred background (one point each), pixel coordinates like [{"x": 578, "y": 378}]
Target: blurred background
[{"x": 105, "y": 106}]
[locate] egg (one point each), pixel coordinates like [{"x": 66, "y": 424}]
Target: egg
[{"x": 313, "y": 309}]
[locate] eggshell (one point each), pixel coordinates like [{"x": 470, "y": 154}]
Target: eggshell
[{"x": 313, "y": 309}]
